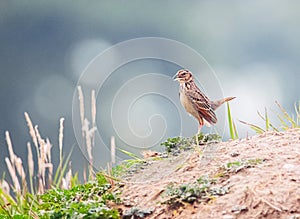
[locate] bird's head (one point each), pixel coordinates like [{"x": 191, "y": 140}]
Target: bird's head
[{"x": 183, "y": 76}]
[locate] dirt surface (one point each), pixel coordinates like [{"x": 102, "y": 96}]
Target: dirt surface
[{"x": 270, "y": 188}]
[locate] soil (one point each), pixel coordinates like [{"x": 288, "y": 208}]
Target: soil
[{"x": 268, "y": 189}]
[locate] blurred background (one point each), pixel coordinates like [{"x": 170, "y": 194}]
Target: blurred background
[{"x": 253, "y": 48}]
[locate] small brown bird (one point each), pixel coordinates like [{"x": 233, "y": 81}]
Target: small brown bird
[{"x": 195, "y": 102}]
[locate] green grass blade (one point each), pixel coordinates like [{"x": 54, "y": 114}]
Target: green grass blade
[
  {"x": 285, "y": 126},
  {"x": 274, "y": 128},
  {"x": 235, "y": 131},
  {"x": 297, "y": 110},
  {"x": 60, "y": 174},
  {"x": 230, "y": 123},
  {"x": 31, "y": 185},
  {"x": 286, "y": 116},
  {"x": 130, "y": 154},
  {"x": 267, "y": 120},
  {"x": 256, "y": 128},
  {"x": 6, "y": 207}
]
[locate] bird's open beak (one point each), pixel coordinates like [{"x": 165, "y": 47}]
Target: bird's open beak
[{"x": 175, "y": 77}]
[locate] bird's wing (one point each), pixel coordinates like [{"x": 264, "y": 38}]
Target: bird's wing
[{"x": 202, "y": 104}]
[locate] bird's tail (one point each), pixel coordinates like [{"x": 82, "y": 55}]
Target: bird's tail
[{"x": 215, "y": 104}]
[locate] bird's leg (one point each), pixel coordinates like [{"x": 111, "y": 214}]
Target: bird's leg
[{"x": 197, "y": 135}]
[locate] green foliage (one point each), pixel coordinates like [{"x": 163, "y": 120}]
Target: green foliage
[
  {"x": 18, "y": 207},
  {"x": 203, "y": 190},
  {"x": 82, "y": 201},
  {"x": 236, "y": 166},
  {"x": 171, "y": 143},
  {"x": 208, "y": 138},
  {"x": 136, "y": 212},
  {"x": 16, "y": 216},
  {"x": 177, "y": 144}
]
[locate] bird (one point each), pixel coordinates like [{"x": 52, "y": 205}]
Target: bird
[{"x": 195, "y": 102}]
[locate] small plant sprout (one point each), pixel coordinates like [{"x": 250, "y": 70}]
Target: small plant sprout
[{"x": 287, "y": 121}]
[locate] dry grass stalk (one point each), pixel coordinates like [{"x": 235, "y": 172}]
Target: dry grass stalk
[
  {"x": 11, "y": 164},
  {"x": 41, "y": 159},
  {"x": 30, "y": 160},
  {"x": 93, "y": 107},
  {"x": 88, "y": 144},
  {"x": 47, "y": 149},
  {"x": 113, "y": 149},
  {"x": 84, "y": 174},
  {"x": 81, "y": 107},
  {"x": 109, "y": 177},
  {"x": 83, "y": 125},
  {"x": 41, "y": 162},
  {"x": 10, "y": 148},
  {"x": 31, "y": 129},
  {"x": 41, "y": 188},
  {"x": 21, "y": 172},
  {"x": 88, "y": 138},
  {"x": 44, "y": 161},
  {"x": 89, "y": 133},
  {"x": 49, "y": 166},
  {"x": 44, "y": 166},
  {"x": 66, "y": 182},
  {"x": 13, "y": 175},
  {"x": 30, "y": 166},
  {"x": 19, "y": 167},
  {"x": 32, "y": 132},
  {"x": 4, "y": 186},
  {"x": 60, "y": 141},
  {"x": 93, "y": 112},
  {"x": 38, "y": 150},
  {"x": 48, "y": 163}
]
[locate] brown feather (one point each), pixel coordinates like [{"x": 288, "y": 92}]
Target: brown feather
[{"x": 215, "y": 104}]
